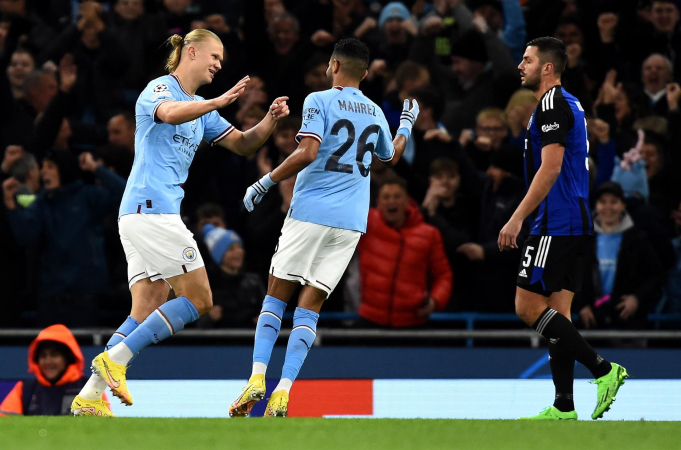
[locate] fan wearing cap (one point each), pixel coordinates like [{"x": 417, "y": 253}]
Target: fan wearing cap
[
  {"x": 237, "y": 295},
  {"x": 623, "y": 275}
]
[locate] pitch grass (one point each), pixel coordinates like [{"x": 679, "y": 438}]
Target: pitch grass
[{"x": 57, "y": 433}]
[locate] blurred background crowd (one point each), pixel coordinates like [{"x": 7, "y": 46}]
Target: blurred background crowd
[{"x": 70, "y": 73}]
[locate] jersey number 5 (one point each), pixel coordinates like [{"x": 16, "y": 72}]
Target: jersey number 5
[{"x": 333, "y": 164}]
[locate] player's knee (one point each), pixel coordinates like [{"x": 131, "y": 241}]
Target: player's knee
[
  {"x": 202, "y": 299},
  {"x": 524, "y": 310}
]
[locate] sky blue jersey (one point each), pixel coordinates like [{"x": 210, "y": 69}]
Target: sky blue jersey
[
  {"x": 334, "y": 189},
  {"x": 164, "y": 152}
]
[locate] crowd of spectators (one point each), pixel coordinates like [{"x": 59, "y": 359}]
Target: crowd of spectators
[{"x": 70, "y": 73}]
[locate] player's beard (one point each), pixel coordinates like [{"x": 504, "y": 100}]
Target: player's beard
[{"x": 532, "y": 83}]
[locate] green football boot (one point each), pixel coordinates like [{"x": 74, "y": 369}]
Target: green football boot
[
  {"x": 608, "y": 385},
  {"x": 552, "y": 413}
]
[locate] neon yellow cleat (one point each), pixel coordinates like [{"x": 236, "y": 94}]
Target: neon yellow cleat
[
  {"x": 552, "y": 413},
  {"x": 608, "y": 385},
  {"x": 250, "y": 395},
  {"x": 277, "y": 405},
  {"x": 114, "y": 375},
  {"x": 97, "y": 408}
]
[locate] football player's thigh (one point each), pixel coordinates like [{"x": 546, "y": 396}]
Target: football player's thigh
[
  {"x": 331, "y": 262},
  {"x": 561, "y": 302},
  {"x": 147, "y": 296}
]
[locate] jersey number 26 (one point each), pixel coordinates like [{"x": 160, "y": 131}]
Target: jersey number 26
[{"x": 333, "y": 164}]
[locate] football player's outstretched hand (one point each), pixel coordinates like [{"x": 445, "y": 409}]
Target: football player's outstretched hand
[
  {"x": 409, "y": 116},
  {"x": 279, "y": 108}
]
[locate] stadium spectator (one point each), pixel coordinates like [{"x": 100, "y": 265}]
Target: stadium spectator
[
  {"x": 237, "y": 295},
  {"x": 121, "y": 130},
  {"x": 623, "y": 276},
  {"x": 421, "y": 146},
  {"x": 255, "y": 94},
  {"x": 101, "y": 60},
  {"x": 518, "y": 111},
  {"x": 477, "y": 85},
  {"x": 20, "y": 65},
  {"x": 408, "y": 77},
  {"x": 393, "y": 38},
  {"x": 490, "y": 135},
  {"x": 503, "y": 18},
  {"x": 398, "y": 256},
  {"x": 655, "y": 75},
  {"x": 498, "y": 192},
  {"x": 67, "y": 215},
  {"x": 55, "y": 360}
]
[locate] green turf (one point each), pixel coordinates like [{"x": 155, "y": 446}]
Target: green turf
[{"x": 320, "y": 434}]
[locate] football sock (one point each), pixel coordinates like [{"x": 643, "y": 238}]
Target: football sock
[
  {"x": 563, "y": 374},
  {"x": 95, "y": 386},
  {"x": 553, "y": 325},
  {"x": 299, "y": 342},
  {"x": 266, "y": 332},
  {"x": 284, "y": 385},
  {"x": 166, "y": 320}
]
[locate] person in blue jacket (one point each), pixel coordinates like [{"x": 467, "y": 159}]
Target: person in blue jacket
[{"x": 65, "y": 219}]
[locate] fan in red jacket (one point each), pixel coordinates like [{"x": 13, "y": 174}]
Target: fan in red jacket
[{"x": 399, "y": 255}]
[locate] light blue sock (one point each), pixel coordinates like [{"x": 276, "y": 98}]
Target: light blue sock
[
  {"x": 267, "y": 329},
  {"x": 122, "y": 332},
  {"x": 300, "y": 341},
  {"x": 166, "y": 320}
]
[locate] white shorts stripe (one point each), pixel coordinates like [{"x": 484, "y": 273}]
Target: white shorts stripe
[
  {"x": 546, "y": 250},
  {"x": 537, "y": 257}
]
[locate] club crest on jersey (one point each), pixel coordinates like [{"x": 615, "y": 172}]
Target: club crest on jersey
[
  {"x": 551, "y": 127},
  {"x": 189, "y": 254}
]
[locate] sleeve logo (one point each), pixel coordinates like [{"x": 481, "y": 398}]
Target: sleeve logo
[
  {"x": 160, "y": 88},
  {"x": 547, "y": 128}
]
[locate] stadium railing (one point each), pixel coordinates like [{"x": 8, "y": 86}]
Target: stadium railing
[{"x": 324, "y": 334}]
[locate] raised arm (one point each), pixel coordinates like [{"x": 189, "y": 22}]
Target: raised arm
[
  {"x": 248, "y": 142},
  {"x": 407, "y": 119},
  {"x": 177, "y": 112}
]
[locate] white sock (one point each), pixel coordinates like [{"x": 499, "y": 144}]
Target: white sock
[
  {"x": 284, "y": 385},
  {"x": 120, "y": 354},
  {"x": 94, "y": 388},
  {"x": 259, "y": 369}
]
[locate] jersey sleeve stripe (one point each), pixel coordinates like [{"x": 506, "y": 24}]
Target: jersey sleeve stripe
[
  {"x": 153, "y": 113},
  {"x": 304, "y": 134},
  {"x": 386, "y": 160},
  {"x": 222, "y": 135}
]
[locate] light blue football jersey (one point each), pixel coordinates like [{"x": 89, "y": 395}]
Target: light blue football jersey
[
  {"x": 164, "y": 152},
  {"x": 334, "y": 189}
]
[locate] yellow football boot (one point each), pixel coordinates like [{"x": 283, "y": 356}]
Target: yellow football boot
[
  {"x": 250, "y": 395},
  {"x": 277, "y": 405},
  {"x": 97, "y": 408},
  {"x": 114, "y": 375}
]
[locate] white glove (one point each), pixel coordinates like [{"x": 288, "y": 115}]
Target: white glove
[
  {"x": 408, "y": 118},
  {"x": 257, "y": 191}
]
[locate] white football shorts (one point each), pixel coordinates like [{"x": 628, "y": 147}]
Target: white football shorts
[
  {"x": 313, "y": 254},
  {"x": 157, "y": 246}
]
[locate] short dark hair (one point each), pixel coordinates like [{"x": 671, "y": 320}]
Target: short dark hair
[
  {"x": 58, "y": 347},
  {"x": 289, "y": 123},
  {"x": 208, "y": 210},
  {"x": 354, "y": 54},
  {"x": 394, "y": 179},
  {"x": 552, "y": 50},
  {"x": 408, "y": 71},
  {"x": 444, "y": 165},
  {"x": 429, "y": 97}
]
